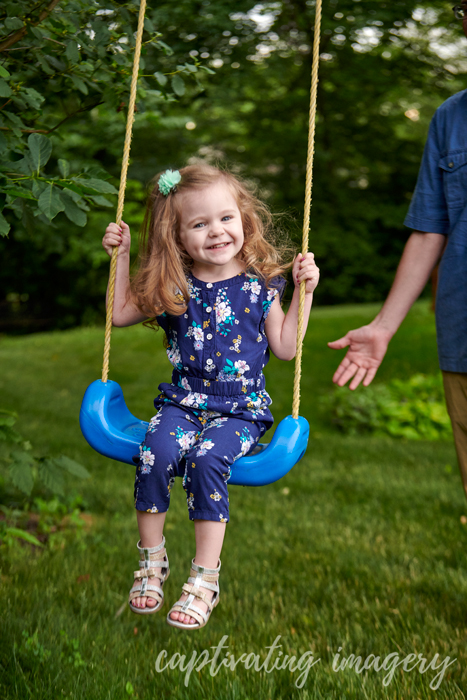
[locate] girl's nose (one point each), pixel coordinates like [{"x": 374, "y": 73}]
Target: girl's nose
[{"x": 216, "y": 229}]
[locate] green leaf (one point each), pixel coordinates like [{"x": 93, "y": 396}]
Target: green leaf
[
  {"x": 59, "y": 66},
  {"x": 64, "y": 167},
  {"x": 37, "y": 31},
  {"x": 50, "y": 203},
  {"x": 72, "y": 467},
  {"x": 19, "y": 192},
  {"x": 72, "y": 52},
  {"x": 78, "y": 83},
  {"x": 101, "y": 201},
  {"x": 208, "y": 70},
  {"x": 38, "y": 187},
  {"x": 24, "y": 535},
  {"x": 41, "y": 150},
  {"x": 166, "y": 48},
  {"x": 73, "y": 212},
  {"x": 5, "y": 89},
  {"x": 178, "y": 86},
  {"x": 32, "y": 97},
  {"x": 77, "y": 190},
  {"x": 96, "y": 171},
  {"x": 4, "y": 73},
  {"x": 13, "y": 23},
  {"x": 45, "y": 66},
  {"x": 96, "y": 185},
  {"x": 161, "y": 78},
  {"x": 16, "y": 120},
  {"x": 51, "y": 475},
  {"x": 20, "y": 472},
  {"x": 4, "y": 226},
  {"x": 18, "y": 102},
  {"x": 8, "y": 417}
]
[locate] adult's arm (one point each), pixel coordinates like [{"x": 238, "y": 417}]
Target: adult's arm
[{"x": 368, "y": 344}]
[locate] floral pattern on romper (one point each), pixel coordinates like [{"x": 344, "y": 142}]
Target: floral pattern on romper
[
  {"x": 219, "y": 366},
  {"x": 218, "y": 349}
]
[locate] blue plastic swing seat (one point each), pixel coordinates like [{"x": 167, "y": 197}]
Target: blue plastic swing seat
[{"x": 113, "y": 431}]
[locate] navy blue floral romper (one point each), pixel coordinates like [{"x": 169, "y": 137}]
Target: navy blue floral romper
[{"x": 216, "y": 408}]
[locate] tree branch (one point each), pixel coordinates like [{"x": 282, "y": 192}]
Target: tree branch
[
  {"x": 49, "y": 131},
  {"x": 21, "y": 32}
]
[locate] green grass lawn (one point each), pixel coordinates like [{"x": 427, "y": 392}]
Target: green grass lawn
[{"x": 361, "y": 549}]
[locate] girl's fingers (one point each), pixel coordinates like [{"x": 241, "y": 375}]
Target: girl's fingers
[
  {"x": 312, "y": 273},
  {"x": 112, "y": 239},
  {"x": 114, "y": 228}
]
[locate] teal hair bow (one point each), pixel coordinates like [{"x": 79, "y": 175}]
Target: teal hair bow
[{"x": 168, "y": 181}]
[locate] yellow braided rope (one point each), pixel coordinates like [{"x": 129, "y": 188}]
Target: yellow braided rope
[
  {"x": 121, "y": 192},
  {"x": 306, "y": 218},
  {"x": 308, "y": 188}
]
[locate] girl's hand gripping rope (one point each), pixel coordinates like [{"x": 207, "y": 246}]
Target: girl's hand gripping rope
[
  {"x": 305, "y": 269},
  {"x": 117, "y": 236}
]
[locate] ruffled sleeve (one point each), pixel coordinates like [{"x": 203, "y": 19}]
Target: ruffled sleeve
[
  {"x": 276, "y": 287},
  {"x": 164, "y": 322}
]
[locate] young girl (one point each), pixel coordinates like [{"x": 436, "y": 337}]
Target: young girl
[{"x": 211, "y": 279}]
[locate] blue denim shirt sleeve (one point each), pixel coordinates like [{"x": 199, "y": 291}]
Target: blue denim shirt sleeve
[{"x": 428, "y": 209}]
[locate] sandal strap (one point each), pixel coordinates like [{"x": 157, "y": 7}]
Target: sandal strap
[
  {"x": 162, "y": 563},
  {"x": 205, "y": 584},
  {"x": 151, "y": 550},
  {"x": 148, "y": 573},
  {"x": 138, "y": 593},
  {"x": 200, "y": 577},
  {"x": 190, "y": 589},
  {"x": 148, "y": 587},
  {"x": 192, "y": 610},
  {"x": 154, "y": 558},
  {"x": 204, "y": 570}
]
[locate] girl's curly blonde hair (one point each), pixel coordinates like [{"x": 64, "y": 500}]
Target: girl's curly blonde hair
[{"x": 160, "y": 283}]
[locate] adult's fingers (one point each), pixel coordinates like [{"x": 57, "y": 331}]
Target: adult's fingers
[
  {"x": 341, "y": 369},
  {"x": 370, "y": 376},
  {"x": 340, "y": 343},
  {"x": 348, "y": 372},
  {"x": 357, "y": 378}
]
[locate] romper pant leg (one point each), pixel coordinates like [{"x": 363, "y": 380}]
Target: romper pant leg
[
  {"x": 455, "y": 389},
  {"x": 221, "y": 442},
  {"x": 171, "y": 433}
]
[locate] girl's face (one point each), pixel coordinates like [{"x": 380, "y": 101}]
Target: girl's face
[{"x": 211, "y": 231}]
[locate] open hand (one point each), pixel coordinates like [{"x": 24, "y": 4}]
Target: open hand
[
  {"x": 117, "y": 236},
  {"x": 305, "y": 269},
  {"x": 367, "y": 347}
]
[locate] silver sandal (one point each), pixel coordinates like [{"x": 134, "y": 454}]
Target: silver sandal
[
  {"x": 154, "y": 557},
  {"x": 199, "y": 576}
]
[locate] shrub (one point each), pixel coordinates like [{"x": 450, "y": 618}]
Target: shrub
[{"x": 412, "y": 409}]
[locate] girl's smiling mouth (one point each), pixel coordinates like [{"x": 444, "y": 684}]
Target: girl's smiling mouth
[{"x": 219, "y": 245}]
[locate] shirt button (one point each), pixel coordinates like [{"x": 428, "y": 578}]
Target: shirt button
[
  {"x": 209, "y": 285},
  {"x": 451, "y": 165},
  {"x": 209, "y": 362},
  {"x": 209, "y": 336},
  {"x": 209, "y": 309}
]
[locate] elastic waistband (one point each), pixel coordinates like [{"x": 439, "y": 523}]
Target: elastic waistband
[{"x": 219, "y": 388}]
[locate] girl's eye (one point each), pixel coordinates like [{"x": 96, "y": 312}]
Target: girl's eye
[
  {"x": 226, "y": 217},
  {"x": 199, "y": 224}
]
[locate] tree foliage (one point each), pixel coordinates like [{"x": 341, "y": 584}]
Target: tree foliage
[
  {"x": 61, "y": 60},
  {"x": 384, "y": 69}
]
